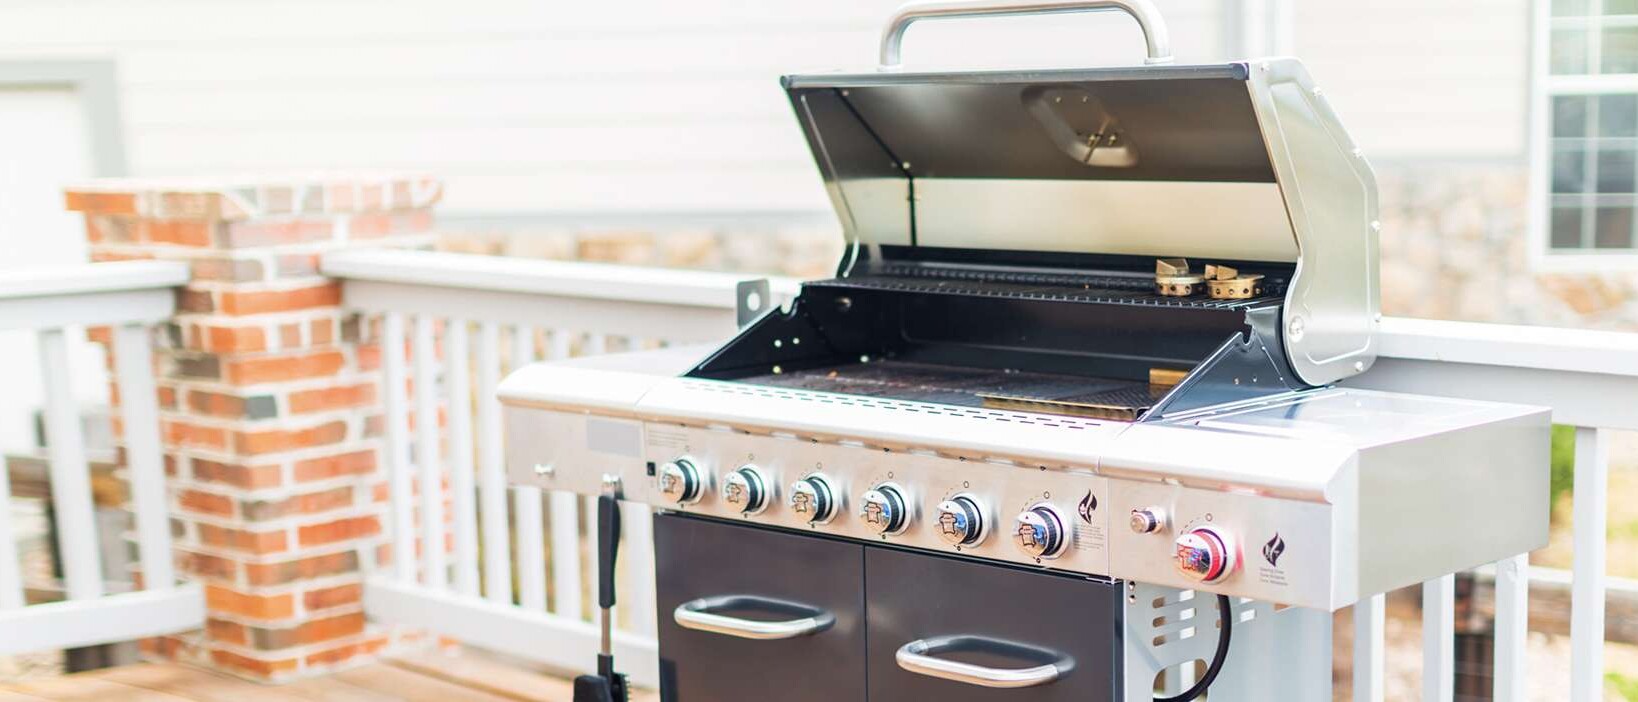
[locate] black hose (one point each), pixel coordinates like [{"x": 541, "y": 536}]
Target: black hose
[{"x": 1225, "y": 617}]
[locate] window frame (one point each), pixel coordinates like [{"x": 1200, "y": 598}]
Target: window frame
[{"x": 1544, "y": 86}]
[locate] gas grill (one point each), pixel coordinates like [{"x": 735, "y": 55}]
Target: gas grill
[{"x": 1024, "y": 438}]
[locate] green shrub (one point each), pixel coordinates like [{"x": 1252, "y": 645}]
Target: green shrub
[
  {"x": 1563, "y": 479},
  {"x": 1624, "y": 686}
]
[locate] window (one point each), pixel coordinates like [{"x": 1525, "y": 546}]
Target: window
[{"x": 1586, "y": 151}]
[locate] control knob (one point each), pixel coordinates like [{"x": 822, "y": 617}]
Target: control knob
[
  {"x": 1206, "y": 554},
  {"x": 680, "y": 481},
  {"x": 1039, "y": 532},
  {"x": 746, "y": 490},
  {"x": 883, "y": 509},
  {"x": 1148, "y": 520},
  {"x": 812, "y": 500},
  {"x": 961, "y": 521}
]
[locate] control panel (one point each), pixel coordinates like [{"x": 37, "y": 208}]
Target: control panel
[
  {"x": 1053, "y": 518},
  {"x": 1087, "y": 520}
]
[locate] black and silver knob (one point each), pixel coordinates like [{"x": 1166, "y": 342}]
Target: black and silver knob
[
  {"x": 883, "y": 509},
  {"x": 961, "y": 521},
  {"x": 681, "y": 482},
  {"x": 812, "y": 500},
  {"x": 1148, "y": 520},
  {"x": 1039, "y": 532},
  {"x": 746, "y": 490}
]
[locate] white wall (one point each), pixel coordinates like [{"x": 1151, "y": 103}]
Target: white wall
[
  {"x": 1423, "y": 80},
  {"x": 526, "y": 105},
  {"x": 44, "y": 142}
]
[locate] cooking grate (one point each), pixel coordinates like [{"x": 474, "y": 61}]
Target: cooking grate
[{"x": 1102, "y": 398}]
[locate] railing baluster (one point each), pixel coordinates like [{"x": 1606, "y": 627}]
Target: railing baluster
[
  {"x": 139, "y": 412},
  {"x": 70, "y": 475},
  {"x": 1592, "y": 478},
  {"x": 1512, "y": 626},
  {"x": 1370, "y": 616},
  {"x": 1439, "y": 639},
  {"x": 565, "y": 553},
  {"x": 531, "y": 549},
  {"x": 497, "y": 556},
  {"x": 597, "y": 344},
  {"x": 400, "y": 483},
  {"x": 426, "y": 455},
  {"x": 11, "y": 569},
  {"x": 523, "y": 346},
  {"x": 559, "y": 344},
  {"x": 638, "y": 558},
  {"x": 458, "y": 372}
]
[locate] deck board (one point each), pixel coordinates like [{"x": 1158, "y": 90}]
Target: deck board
[{"x": 430, "y": 677}]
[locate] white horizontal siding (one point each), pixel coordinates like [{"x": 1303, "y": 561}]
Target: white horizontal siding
[
  {"x": 1414, "y": 79},
  {"x": 524, "y": 105}
]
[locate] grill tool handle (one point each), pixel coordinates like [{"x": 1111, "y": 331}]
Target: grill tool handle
[{"x": 1148, "y": 18}]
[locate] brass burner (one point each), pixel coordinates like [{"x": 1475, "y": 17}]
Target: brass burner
[
  {"x": 1173, "y": 279},
  {"x": 1225, "y": 283}
]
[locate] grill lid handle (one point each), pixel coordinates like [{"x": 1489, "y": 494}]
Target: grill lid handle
[{"x": 1148, "y": 19}]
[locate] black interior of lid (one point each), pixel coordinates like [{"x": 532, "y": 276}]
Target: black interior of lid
[{"x": 1183, "y": 124}]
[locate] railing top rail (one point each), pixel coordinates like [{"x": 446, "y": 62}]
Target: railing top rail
[
  {"x": 1544, "y": 348},
  {"x": 92, "y": 278},
  {"x": 541, "y": 277}
]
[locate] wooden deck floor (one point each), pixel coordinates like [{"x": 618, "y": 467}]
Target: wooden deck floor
[{"x": 429, "y": 677}]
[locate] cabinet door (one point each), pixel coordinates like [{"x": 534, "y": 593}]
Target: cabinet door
[
  {"x": 973, "y": 632},
  {"x": 751, "y": 615}
]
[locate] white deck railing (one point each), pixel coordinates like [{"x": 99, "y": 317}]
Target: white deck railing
[
  {"x": 1589, "y": 378},
  {"x": 129, "y": 297}
]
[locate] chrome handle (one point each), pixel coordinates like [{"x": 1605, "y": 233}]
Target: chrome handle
[
  {"x": 918, "y": 657},
  {"x": 1148, "y": 18},
  {"x": 697, "y": 615}
]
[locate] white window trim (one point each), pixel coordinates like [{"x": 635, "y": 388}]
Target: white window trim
[{"x": 1544, "y": 86}]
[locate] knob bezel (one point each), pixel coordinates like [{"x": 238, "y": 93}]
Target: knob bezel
[
  {"x": 965, "y": 505},
  {"x": 818, "y": 491},
  {"x": 1147, "y": 520},
  {"x": 892, "y": 495},
  {"x": 750, "y": 480},
  {"x": 1052, "y": 522},
  {"x": 685, "y": 469},
  {"x": 1218, "y": 546}
]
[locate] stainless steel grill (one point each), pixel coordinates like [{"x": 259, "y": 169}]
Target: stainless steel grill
[{"x": 990, "y": 404}]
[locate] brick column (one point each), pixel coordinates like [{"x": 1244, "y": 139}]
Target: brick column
[{"x": 270, "y": 399}]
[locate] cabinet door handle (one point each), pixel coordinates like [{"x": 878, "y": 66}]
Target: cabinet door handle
[
  {"x": 919, "y": 657},
  {"x": 698, "y": 615}
]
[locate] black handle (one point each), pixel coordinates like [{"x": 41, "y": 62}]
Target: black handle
[{"x": 608, "y": 543}]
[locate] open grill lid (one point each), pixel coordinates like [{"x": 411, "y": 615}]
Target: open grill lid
[{"x": 1234, "y": 162}]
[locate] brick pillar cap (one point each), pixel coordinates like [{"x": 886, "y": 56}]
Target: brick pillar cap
[{"x": 253, "y": 196}]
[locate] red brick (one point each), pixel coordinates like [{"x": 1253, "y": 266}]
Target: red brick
[
  {"x": 222, "y": 599},
  {"x": 389, "y": 224},
  {"x": 369, "y": 356},
  {"x": 206, "y": 502},
  {"x": 296, "y": 366},
  {"x": 226, "y": 269},
  {"x": 308, "y": 568},
  {"x": 182, "y": 232},
  {"x": 298, "y": 265},
  {"x": 253, "y": 666},
  {"x": 332, "y": 398},
  {"x": 216, "y": 404},
  {"x": 106, "y": 256},
  {"x": 100, "y": 203},
  {"x": 325, "y": 598},
  {"x": 338, "y": 530},
  {"x": 247, "y": 477},
  {"x": 266, "y": 301},
  {"x": 194, "y": 301},
  {"x": 207, "y": 566},
  {"x": 322, "y": 332},
  {"x": 275, "y": 440},
  {"x": 254, "y": 542},
  {"x": 167, "y": 396},
  {"x": 178, "y": 433},
  {"x": 352, "y": 463},
  {"x": 223, "y": 631},
  {"x": 277, "y": 232},
  {"x": 341, "y": 198},
  {"x": 230, "y": 339},
  {"x": 306, "y": 503}
]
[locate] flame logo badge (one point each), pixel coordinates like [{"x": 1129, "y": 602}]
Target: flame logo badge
[
  {"x": 1089, "y": 504},
  {"x": 1273, "y": 549}
]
